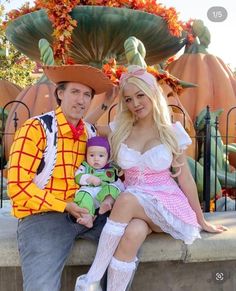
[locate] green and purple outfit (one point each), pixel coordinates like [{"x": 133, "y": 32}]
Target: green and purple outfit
[{"x": 89, "y": 196}]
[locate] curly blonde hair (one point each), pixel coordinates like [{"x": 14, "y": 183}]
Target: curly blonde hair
[{"x": 161, "y": 116}]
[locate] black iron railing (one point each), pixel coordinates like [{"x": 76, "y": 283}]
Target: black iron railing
[{"x": 206, "y": 140}]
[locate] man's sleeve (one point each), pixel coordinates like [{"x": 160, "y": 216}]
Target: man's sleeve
[{"x": 25, "y": 156}]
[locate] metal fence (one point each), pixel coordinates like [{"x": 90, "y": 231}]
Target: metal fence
[
  {"x": 210, "y": 165},
  {"x": 3, "y": 134}
]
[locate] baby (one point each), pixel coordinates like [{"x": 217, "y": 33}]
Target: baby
[{"x": 96, "y": 177}]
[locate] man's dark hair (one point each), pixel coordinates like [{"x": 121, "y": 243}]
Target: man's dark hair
[{"x": 62, "y": 86}]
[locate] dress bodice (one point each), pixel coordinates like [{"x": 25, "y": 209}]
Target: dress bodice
[
  {"x": 158, "y": 158},
  {"x": 148, "y": 178}
]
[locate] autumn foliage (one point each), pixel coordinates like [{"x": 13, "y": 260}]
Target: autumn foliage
[
  {"x": 114, "y": 72},
  {"x": 59, "y": 14}
]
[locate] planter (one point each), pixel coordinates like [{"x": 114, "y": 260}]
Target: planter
[{"x": 100, "y": 34}]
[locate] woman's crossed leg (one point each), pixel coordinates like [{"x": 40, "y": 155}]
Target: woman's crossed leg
[{"x": 122, "y": 236}]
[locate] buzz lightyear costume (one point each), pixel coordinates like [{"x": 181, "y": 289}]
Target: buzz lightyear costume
[{"x": 89, "y": 196}]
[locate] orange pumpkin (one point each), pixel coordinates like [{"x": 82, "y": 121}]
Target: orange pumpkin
[
  {"x": 216, "y": 82},
  {"x": 8, "y": 92},
  {"x": 39, "y": 98},
  {"x": 216, "y": 86}
]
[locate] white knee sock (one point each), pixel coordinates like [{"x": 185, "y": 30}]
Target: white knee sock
[
  {"x": 119, "y": 274},
  {"x": 108, "y": 242}
]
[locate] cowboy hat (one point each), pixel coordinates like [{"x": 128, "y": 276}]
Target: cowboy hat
[{"x": 84, "y": 74}]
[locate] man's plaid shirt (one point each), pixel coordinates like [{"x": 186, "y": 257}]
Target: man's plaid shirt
[{"x": 25, "y": 156}]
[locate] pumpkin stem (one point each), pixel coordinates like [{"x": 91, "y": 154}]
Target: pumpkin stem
[
  {"x": 47, "y": 57},
  {"x": 203, "y": 38},
  {"x": 135, "y": 52}
]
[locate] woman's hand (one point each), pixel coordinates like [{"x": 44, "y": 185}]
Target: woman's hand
[
  {"x": 106, "y": 101},
  {"x": 208, "y": 227},
  {"x": 110, "y": 96}
]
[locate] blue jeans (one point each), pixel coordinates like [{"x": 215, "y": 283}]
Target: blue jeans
[{"x": 45, "y": 241}]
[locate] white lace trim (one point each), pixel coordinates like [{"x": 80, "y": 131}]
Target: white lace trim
[
  {"x": 118, "y": 279},
  {"x": 122, "y": 266},
  {"x": 113, "y": 227},
  {"x": 167, "y": 221}
]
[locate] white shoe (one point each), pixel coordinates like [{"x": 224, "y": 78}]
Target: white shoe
[{"x": 82, "y": 285}]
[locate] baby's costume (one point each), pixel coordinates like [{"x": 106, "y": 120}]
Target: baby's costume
[
  {"x": 148, "y": 178},
  {"x": 89, "y": 196}
]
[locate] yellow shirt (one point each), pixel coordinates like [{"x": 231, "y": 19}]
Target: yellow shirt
[{"x": 25, "y": 156}]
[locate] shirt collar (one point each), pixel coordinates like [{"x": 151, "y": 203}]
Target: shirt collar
[
  {"x": 64, "y": 125},
  {"x": 62, "y": 122}
]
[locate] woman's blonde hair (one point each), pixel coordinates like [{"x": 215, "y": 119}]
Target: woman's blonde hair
[{"x": 161, "y": 116}]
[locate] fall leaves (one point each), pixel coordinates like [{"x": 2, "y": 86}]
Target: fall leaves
[
  {"x": 114, "y": 72},
  {"x": 63, "y": 25},
  {"x": 58, "y": 12}
]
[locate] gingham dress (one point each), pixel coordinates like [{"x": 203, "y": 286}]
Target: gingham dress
[{"x": 148, "y": 178}]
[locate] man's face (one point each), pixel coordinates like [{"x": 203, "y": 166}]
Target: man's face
[{"x": 75, "y": 101}]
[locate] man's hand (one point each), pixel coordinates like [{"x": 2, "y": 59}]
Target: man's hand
[
  {"x": 75, "y": 210},
  {"x": 95, "y": 181}
]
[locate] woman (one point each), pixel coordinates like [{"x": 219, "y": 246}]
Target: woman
[{"x": 146, "y": 145}]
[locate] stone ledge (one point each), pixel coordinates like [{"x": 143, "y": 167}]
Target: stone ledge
[{"x": 157, "y": 248}]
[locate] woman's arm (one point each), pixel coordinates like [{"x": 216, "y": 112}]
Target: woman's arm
[
  {"x": 188, "y": 186},
  {"x": 103, "y": 130},
  {"x": 110, "y": 96}
]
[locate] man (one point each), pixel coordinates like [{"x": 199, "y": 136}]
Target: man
[{"x": 44, "y": 156}]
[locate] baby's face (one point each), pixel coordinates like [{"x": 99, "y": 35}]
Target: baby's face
[{"x": 97, "y": 157}]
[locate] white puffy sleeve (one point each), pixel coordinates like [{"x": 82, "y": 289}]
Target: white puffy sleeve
[
  {"x": 183, "y": 138},
  {"x": 112, "y": 125}
]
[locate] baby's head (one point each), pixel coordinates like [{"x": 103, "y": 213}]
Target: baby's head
[{"x": 98, "y": 152}]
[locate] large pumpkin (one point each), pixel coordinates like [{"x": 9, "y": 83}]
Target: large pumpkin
[
  {"x": 216, "y": 82},
  {"x": 8, "y": 92},
  {"x": 216, "y": 86},
  {"x": 39, "y": 98}
]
